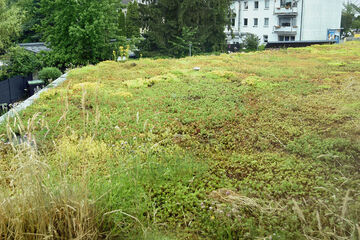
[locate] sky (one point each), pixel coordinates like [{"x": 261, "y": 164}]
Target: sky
[{"x": 353, "y": 1}]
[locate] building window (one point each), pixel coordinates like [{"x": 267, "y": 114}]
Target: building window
[
  {"x": 246, "y": 5},
  {"x": 245, "y": 22},
  {"x": 256, "y": 4},
  {"x": 285, "y": 21},
  {"x": 267, "y": 4},
  {"x": 286, "y": 38},
  {"x": 266, "y": 22},
  {"x": 256, "y": 22},
  {"x": 233, "y": 22},
  {"x": 266, "y": 38},
  {"x": 285, "y": 3}
]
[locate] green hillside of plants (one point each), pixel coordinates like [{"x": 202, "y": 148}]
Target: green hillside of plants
[{"x": 253, "y": 146}]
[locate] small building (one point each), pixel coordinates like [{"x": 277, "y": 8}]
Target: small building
[{"x": 284, "y": 20}]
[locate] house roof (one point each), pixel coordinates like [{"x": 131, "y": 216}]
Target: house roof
[
  {"x": 35, "y": 47},
  {"x": 128, "y": 1}
]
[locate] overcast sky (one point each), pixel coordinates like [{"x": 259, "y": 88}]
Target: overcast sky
[{"x": 354, "y": 1}]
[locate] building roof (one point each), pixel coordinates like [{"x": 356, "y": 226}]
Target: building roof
[
  {"x": 35, "y": 47},
  {"x": 128, "y": 1}
]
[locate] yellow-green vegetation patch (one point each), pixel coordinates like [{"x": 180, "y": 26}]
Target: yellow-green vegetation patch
[
  {"x": 340, "y": 64},
  {"x": 122, "y": 93},
  {"x": 251, "y": 146},
  {"x": 81, "y": 154},
  {"x": 226, "y": 76},
  {"x": 88, "y": 86},
  {"x": 251, "y": 80},
  {"x": 148, "y": 82}
]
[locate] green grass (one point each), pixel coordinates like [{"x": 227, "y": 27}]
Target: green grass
[{"x": 253, "y": 146}]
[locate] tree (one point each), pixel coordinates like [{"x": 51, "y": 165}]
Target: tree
[
  {"x": 133, "y": 20},
  {"x": 181, "y": 45},
  {"x": 10, "y": 24},
  {"x": 251, "y": 41},
  {"x": 32, "y": 20},
  {"x": 121, "y": 23},
  {"x": 349, "y": 21},
  {"x": 21, "y": 62},
  {"x": 356, "y": 24},
  {"x": 165, "y": 20},
  {"x": 356, "y": 7},
  {"x": 347, "y": 18},
  {"x": 79, "y": 31}
]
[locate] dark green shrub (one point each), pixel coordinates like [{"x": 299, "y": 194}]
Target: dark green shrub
[
  {"x": 52, "y": 59},
  {"x": 49, "y": 73},
  {"x": 21, "y": 62},
  {"x": 3, "y": 75},
  {"x": 251, "y": 42}
]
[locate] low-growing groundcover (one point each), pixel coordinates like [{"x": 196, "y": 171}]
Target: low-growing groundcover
[{"x": 252, "y": 146}]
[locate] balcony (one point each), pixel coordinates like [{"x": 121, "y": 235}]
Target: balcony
[
  {"x": 286, "y": 30},
  {"x": 286, "y": 11}
]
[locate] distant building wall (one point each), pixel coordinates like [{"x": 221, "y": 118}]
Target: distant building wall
[
  {"x": 284, "y": 20},
  {"x": 261, "y": 13},
  {"x": 318, "y": 17}
]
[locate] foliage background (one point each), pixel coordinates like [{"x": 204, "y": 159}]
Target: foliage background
[
  {"x": 10, "y": 24},
  {"x": 168, "y": 21}
]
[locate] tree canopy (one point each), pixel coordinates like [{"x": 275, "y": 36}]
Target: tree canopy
[
  {"x": 133, "y": 23},
  {"x": 10, "y": 23},
  {"x": 167, "y": 20},
  {"x": 79, "y": 31},
  {"x": 349, "y": 20}
]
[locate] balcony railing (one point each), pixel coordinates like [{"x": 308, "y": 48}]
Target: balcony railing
[
  {"x": 286, "y": 11},
  {"x": 289, "y": 30}
]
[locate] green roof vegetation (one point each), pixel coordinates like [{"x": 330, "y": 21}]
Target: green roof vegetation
[{"x": 254, "y": 145}]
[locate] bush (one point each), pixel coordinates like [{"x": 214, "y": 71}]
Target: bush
[
  {"x": 251, "y": 42},
  {"x": 49, "y": 73},
  {"x": 21, "y": 62},
  {"x": 3, "y": 75},
  {"x": 52, "y": 59},
  {"x": 262, "y": 47}
]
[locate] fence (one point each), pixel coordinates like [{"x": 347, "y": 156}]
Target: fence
[
  {"x": 295, "y": 44},
  {"x": 13, "y": 89}
]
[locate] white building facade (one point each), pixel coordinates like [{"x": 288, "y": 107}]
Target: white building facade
[{"x": 284, "y": 20}]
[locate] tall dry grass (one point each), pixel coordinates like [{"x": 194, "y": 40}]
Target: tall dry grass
[{"x": 32, "y": 204}]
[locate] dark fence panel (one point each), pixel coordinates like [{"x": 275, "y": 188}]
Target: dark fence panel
[
  {"x": 13, "y": 89},
  {"x": 18, "y": 84},
  {"x": 296, "y": 44},
  {"x": 4, "y": 92}
]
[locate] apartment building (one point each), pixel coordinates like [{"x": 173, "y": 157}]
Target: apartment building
[{"x": 285, "y": 20}]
